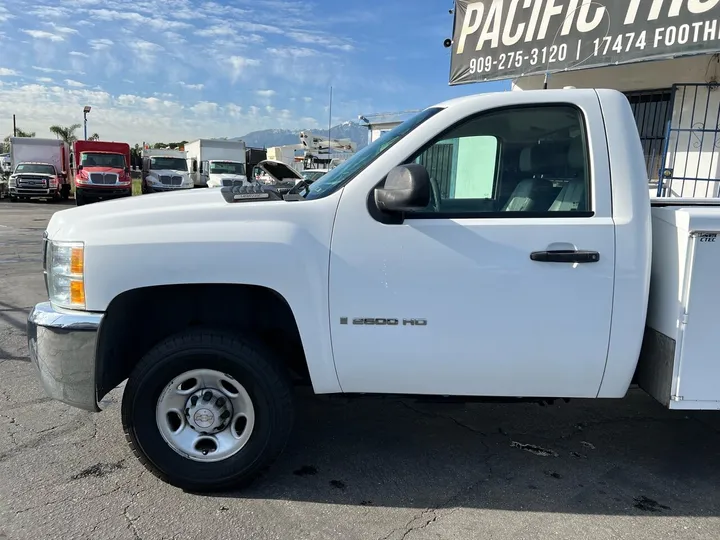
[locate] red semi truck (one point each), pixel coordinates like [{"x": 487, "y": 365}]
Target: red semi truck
[{"x": 102, "y": 171}]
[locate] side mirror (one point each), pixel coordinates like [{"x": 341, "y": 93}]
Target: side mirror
[
  {"x": 406, "y": 188},
  {"x": 194, "y": 165},
  {"x": 127, "y": 169}
]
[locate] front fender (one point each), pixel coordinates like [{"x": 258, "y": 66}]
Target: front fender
[{"x": 289, "y": 256}]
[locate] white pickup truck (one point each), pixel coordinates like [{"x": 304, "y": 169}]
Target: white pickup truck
[{"x": 494, "y": 245}]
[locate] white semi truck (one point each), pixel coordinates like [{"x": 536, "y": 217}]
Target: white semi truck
[
  {"x": 495, "y": 245},
  {"x": 164, "y": 169},
  {"x": 213, "y": 162},
  {"x": 40, "y": 169}
]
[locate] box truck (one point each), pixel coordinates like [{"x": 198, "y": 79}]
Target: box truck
[
  {"x": 212, "y": 161},
  {"x": 102, "y": 171},
  {"x": 40, "y": 169}
]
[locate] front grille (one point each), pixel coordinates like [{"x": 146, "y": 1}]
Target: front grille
[
  {"x": 171, "y": 180},
  {"x": 103, "y": 178},
  {"x": 32, "y": 181}
]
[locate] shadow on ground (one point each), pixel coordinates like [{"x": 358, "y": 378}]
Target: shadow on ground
[{"x": 615, "y": 457}]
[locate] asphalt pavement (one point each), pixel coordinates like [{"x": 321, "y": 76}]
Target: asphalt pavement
[{"x": 355, "y": 469}]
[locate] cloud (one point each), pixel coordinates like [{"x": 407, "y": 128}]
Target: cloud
[
  {"x": 156, "y": 23},
  {"x": 52, "y": 70},
  {"x": 202, "y": 68},
  {"x": 198, "y": 86},
  {"x": 62, "y": 29},
  {"x": 42, "y": 34},
  {"x": 100, "y": 44},
  {"x": 321, "y": 39},
  {"x": 239, "y": 66},
  {"x": 5, "y": 15}
]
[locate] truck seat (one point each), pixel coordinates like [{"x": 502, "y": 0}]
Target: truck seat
[
  {"x": 534, "y": 194},
  {"x": 572, "y": 196}
]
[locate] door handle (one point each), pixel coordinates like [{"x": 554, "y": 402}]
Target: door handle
[{"x": 565, "y": 256}]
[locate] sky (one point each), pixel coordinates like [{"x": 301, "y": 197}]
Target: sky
[{"x": 155, "y": 70}]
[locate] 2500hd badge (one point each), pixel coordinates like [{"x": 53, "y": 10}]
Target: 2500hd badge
[{"x": 382, "y": 321}]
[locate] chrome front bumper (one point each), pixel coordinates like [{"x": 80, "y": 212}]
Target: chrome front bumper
[{"x": 62, "y": 346}]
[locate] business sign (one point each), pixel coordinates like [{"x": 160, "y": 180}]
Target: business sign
[{"x": 501, "y": 39}]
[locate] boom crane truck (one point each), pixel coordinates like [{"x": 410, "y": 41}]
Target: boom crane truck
[{"x": 527, "y": 262}]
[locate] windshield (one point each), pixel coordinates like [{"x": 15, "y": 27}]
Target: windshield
[
  {"x": 91, "y": 159},
  {"x": 168, "y": 163},
  {"x": 346, "y": 171},
  {"x": 227, "y": 167},
  {"x": 34, "y": 168},
  {"x": 311, "y": 176}
]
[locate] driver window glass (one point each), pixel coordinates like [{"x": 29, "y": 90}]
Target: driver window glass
[{"x": 527, "y": 159}]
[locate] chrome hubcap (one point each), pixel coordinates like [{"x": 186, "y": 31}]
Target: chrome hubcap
[{"x": 205, "y": 415}]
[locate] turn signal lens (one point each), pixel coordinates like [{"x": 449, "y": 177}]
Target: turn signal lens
[
  {"x": 77, "y": 292},
  {"x": 77, "y": 263}
]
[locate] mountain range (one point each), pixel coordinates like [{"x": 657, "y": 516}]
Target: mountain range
[{"x": 280, "y": 137}]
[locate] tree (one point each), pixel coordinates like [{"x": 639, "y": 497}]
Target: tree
[
  {"x": 5, "y": 146},
  {"x": 94, "y": 137},
  {"x": 173, "y": 145},
  {"x": 66, "y": 134}
]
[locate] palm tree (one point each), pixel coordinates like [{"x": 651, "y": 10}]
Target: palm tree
[
  {"x": 67, "y": 134},
  {"x": 19, "y": 133},
  {"x": 94, "y": 137}
]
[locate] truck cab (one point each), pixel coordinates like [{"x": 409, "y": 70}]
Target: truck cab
[
  {"x": 217, "y": 173},
  {"x": 102, "y": 171},
  {"x": 165, "y": 170},
  {"x": 33, "y": 180}
]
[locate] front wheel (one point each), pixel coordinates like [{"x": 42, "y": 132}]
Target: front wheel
[{"x": 207, "y": 411}]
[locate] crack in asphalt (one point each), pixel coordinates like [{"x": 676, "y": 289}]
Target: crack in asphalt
[
  {"x": 431, "y": 515},
  {"x": 64, "y": 500},
  {"x": 443, "y": 416},
  {"x": 47, "y": 435}
]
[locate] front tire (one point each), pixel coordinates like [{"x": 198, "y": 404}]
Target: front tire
[{"x": 208, "y": 411}]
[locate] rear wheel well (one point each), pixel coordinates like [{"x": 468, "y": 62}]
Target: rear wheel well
[{"x": 137, "y": 320}]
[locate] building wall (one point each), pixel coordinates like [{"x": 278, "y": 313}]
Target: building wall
[
  {"x": 693, "y": 155},
  {"x": 376, "y": 130}
]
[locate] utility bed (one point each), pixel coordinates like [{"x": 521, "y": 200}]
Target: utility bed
[{"x": 679, "y": 363}]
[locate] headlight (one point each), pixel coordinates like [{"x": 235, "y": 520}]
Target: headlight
[{"x": 66, "y": 273}]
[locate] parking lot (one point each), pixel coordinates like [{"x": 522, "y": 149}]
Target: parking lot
[{"x": 363, "y": 469}]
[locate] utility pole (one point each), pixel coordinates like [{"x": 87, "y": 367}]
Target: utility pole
[
  {"x": 329, "y": 126},
  {"x": 14, "y": 127}
]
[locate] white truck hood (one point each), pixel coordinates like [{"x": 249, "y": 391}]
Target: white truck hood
[{"x": 141, "y": 216}]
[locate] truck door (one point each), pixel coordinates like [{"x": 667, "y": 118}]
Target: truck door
[{"x": 503, "y": 285}]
